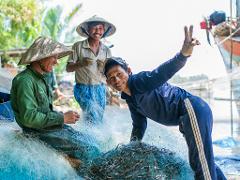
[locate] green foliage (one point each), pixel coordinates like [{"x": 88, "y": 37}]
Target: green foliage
[
  {"x": 56, "y": 26},
  {"x": 61, "y": 66},
  {"x": 69, "y": 35},
  {"x": 51, "y": 25},
  {"x": 19, "y": 23},
  {"x": 22, "y": 21}
]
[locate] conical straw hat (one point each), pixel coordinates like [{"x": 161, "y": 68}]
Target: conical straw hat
[
  {"x": 44, "y": 47},
  {"x": 82, "y": 28}
]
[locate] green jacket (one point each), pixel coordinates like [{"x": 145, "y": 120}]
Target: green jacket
[{"x": 31, "y": 100}]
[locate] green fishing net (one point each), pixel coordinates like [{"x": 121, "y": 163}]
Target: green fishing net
[{"x": 137, "y": 161}]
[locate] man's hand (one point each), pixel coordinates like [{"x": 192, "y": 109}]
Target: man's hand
[
  {"x": 86, "y": 62},
  {"x": 100, "y": 64},
  {"x": 189, "y": 42},
  {"x": 71, "y": 117},
  {"x": 59, "y": 94},
  {"x": 73, "y": 66}
]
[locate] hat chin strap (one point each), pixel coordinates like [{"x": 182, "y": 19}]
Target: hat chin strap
[
  {"x": 42, "y": 67},
  {"x": 84, "y": 30},
  {"x": 106, "y": 32}
]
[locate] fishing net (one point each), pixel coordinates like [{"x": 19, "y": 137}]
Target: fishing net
[
  {"x": 137, "y": 161},
  {"x": 72, "y": 143},
  {"x": 25, "y": 158}
]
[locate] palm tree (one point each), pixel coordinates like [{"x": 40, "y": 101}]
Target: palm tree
[
  {"x": 19, "y": 23},
  {"x": 55, "y": 27},
  {"x": 58, "y": 29}
]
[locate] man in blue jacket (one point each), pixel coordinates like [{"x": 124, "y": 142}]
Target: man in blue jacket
[{"x": 148, "y": 95}]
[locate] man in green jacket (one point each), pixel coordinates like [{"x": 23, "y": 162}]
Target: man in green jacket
[{"x": 31, "y": 100}]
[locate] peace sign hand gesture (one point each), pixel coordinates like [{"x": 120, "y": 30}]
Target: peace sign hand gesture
[{"x": 189, "y": 42}]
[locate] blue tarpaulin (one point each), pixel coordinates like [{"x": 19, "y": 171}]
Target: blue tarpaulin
[{"x": 6, "y": 112}]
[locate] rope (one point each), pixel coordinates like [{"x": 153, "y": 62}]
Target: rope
[
  {"x": 228, "y": 37},
  {"x": 198, "y": 139}
]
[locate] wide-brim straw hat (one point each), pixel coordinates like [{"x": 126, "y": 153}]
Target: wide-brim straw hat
[
  {"x": 44, "y": 47},
  {"x": 82, "y": 28}
]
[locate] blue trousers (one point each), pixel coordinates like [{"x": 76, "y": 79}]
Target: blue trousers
[
  {"x": 198, "y": 136},
  {"x": 92, "y": 100}
]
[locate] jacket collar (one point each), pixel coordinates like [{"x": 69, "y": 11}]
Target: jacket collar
[{"x": 35, "y": 72}]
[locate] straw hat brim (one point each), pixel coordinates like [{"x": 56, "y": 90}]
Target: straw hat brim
[{"x": 43, "y": 48}]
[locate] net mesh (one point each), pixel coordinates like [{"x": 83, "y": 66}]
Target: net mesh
[{"x": 137, "y": 161}]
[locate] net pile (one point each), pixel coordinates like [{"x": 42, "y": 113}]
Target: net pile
[
  {"x": 137, "y": 161},
  {"x": 24, "y": 158}
]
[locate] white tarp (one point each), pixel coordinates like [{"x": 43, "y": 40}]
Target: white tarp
[{"x": 5, "y": 80}]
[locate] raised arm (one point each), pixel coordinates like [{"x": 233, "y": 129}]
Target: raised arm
[
  {"x": 149, "y": 80},
  {"x": 189, "y": 42}
]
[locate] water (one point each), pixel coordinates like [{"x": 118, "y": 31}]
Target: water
[{"x": 24, "y": 158}]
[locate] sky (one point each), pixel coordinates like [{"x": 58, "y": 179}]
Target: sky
[{"x": 151, "y": 32}]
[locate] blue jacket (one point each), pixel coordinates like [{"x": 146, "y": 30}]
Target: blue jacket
[{"x": 152, "y": 97}]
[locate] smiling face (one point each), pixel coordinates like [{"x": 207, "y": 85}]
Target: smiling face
[
  {"x": 48, "y": 63},
  {"x": 117, "y": 77},
  {"x": 96, "y": 32}
]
